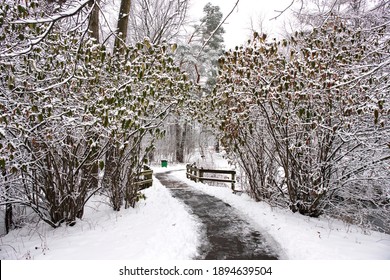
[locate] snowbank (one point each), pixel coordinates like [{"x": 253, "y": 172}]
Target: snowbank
[{"x": 158, "y": 228}]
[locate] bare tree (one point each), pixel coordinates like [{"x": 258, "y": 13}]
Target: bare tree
[{"x": 159, "y": 20}]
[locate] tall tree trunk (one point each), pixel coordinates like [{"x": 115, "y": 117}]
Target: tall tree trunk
[
  {"x": 9, "y": 223},
  {"x": 181, "y": 134},
  {"x": 94, "y": 28},
  {"x": 217, "y": 146},
  {"x": 94, "y": 20},
  {"x": 123, "y": 22}
]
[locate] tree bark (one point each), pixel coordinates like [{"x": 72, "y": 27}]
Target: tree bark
[
  {"x": 181, "y": 134},
  {"x": 9, "y": 223},
  {"x": 123, "y": 22},
  {"x": 94, "y": 20}
]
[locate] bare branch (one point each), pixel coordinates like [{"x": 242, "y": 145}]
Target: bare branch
[
  {"x": 55, "y": 18},
  {"x": 283, "y": 11}
]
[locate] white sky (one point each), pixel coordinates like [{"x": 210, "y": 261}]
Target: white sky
[{"x": 237, "y": 26}]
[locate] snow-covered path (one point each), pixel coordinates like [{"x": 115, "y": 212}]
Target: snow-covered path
[
  {"x": 162, "y": 228},
  {"x": 226, "y": 234}
]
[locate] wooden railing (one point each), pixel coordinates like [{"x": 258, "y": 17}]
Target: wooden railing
[
  {"x": 198, "y": 175},
  {"x": 145, "y": 178}
]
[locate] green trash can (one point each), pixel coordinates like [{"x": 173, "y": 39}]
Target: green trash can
[{"x": 164, "y": 163}]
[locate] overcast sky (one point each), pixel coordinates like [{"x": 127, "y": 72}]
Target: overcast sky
[{"x": 237, "y": 27}]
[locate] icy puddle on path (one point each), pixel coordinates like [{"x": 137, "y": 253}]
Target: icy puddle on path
[{"x": 228, "y": 236}]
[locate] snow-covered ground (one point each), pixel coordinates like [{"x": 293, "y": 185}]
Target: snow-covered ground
[
  {"x": 157, "y": 228},
  {"x": 160, "y": 228},
  {"x": 305, "y": 238}
]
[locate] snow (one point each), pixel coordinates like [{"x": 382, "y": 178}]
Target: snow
[
  {"x": 162, "y": 228},
  {"x": 157, "y": 228},
  {"x": 304, "y": 238}
]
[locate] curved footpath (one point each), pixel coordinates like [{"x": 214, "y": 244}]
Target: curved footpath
[{"x": 227, "y": 235}]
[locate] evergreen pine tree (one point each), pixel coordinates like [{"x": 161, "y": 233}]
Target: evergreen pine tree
[{"x": 213, "y": 38}]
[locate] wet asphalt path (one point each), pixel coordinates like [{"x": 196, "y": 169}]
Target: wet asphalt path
[{"x": 227, "y": 235}]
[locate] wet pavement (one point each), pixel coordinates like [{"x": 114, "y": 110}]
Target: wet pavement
[{"x": 227, "y": 236}]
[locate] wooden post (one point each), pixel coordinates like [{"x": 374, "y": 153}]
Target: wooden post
[
  {"x": 201, "y": 173},
  {"x": 193, "y": 173},
  {"x": 233, "y": 179},
  {"x": 149, "y": 176},
  {"x": 191, "y": 169}
]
